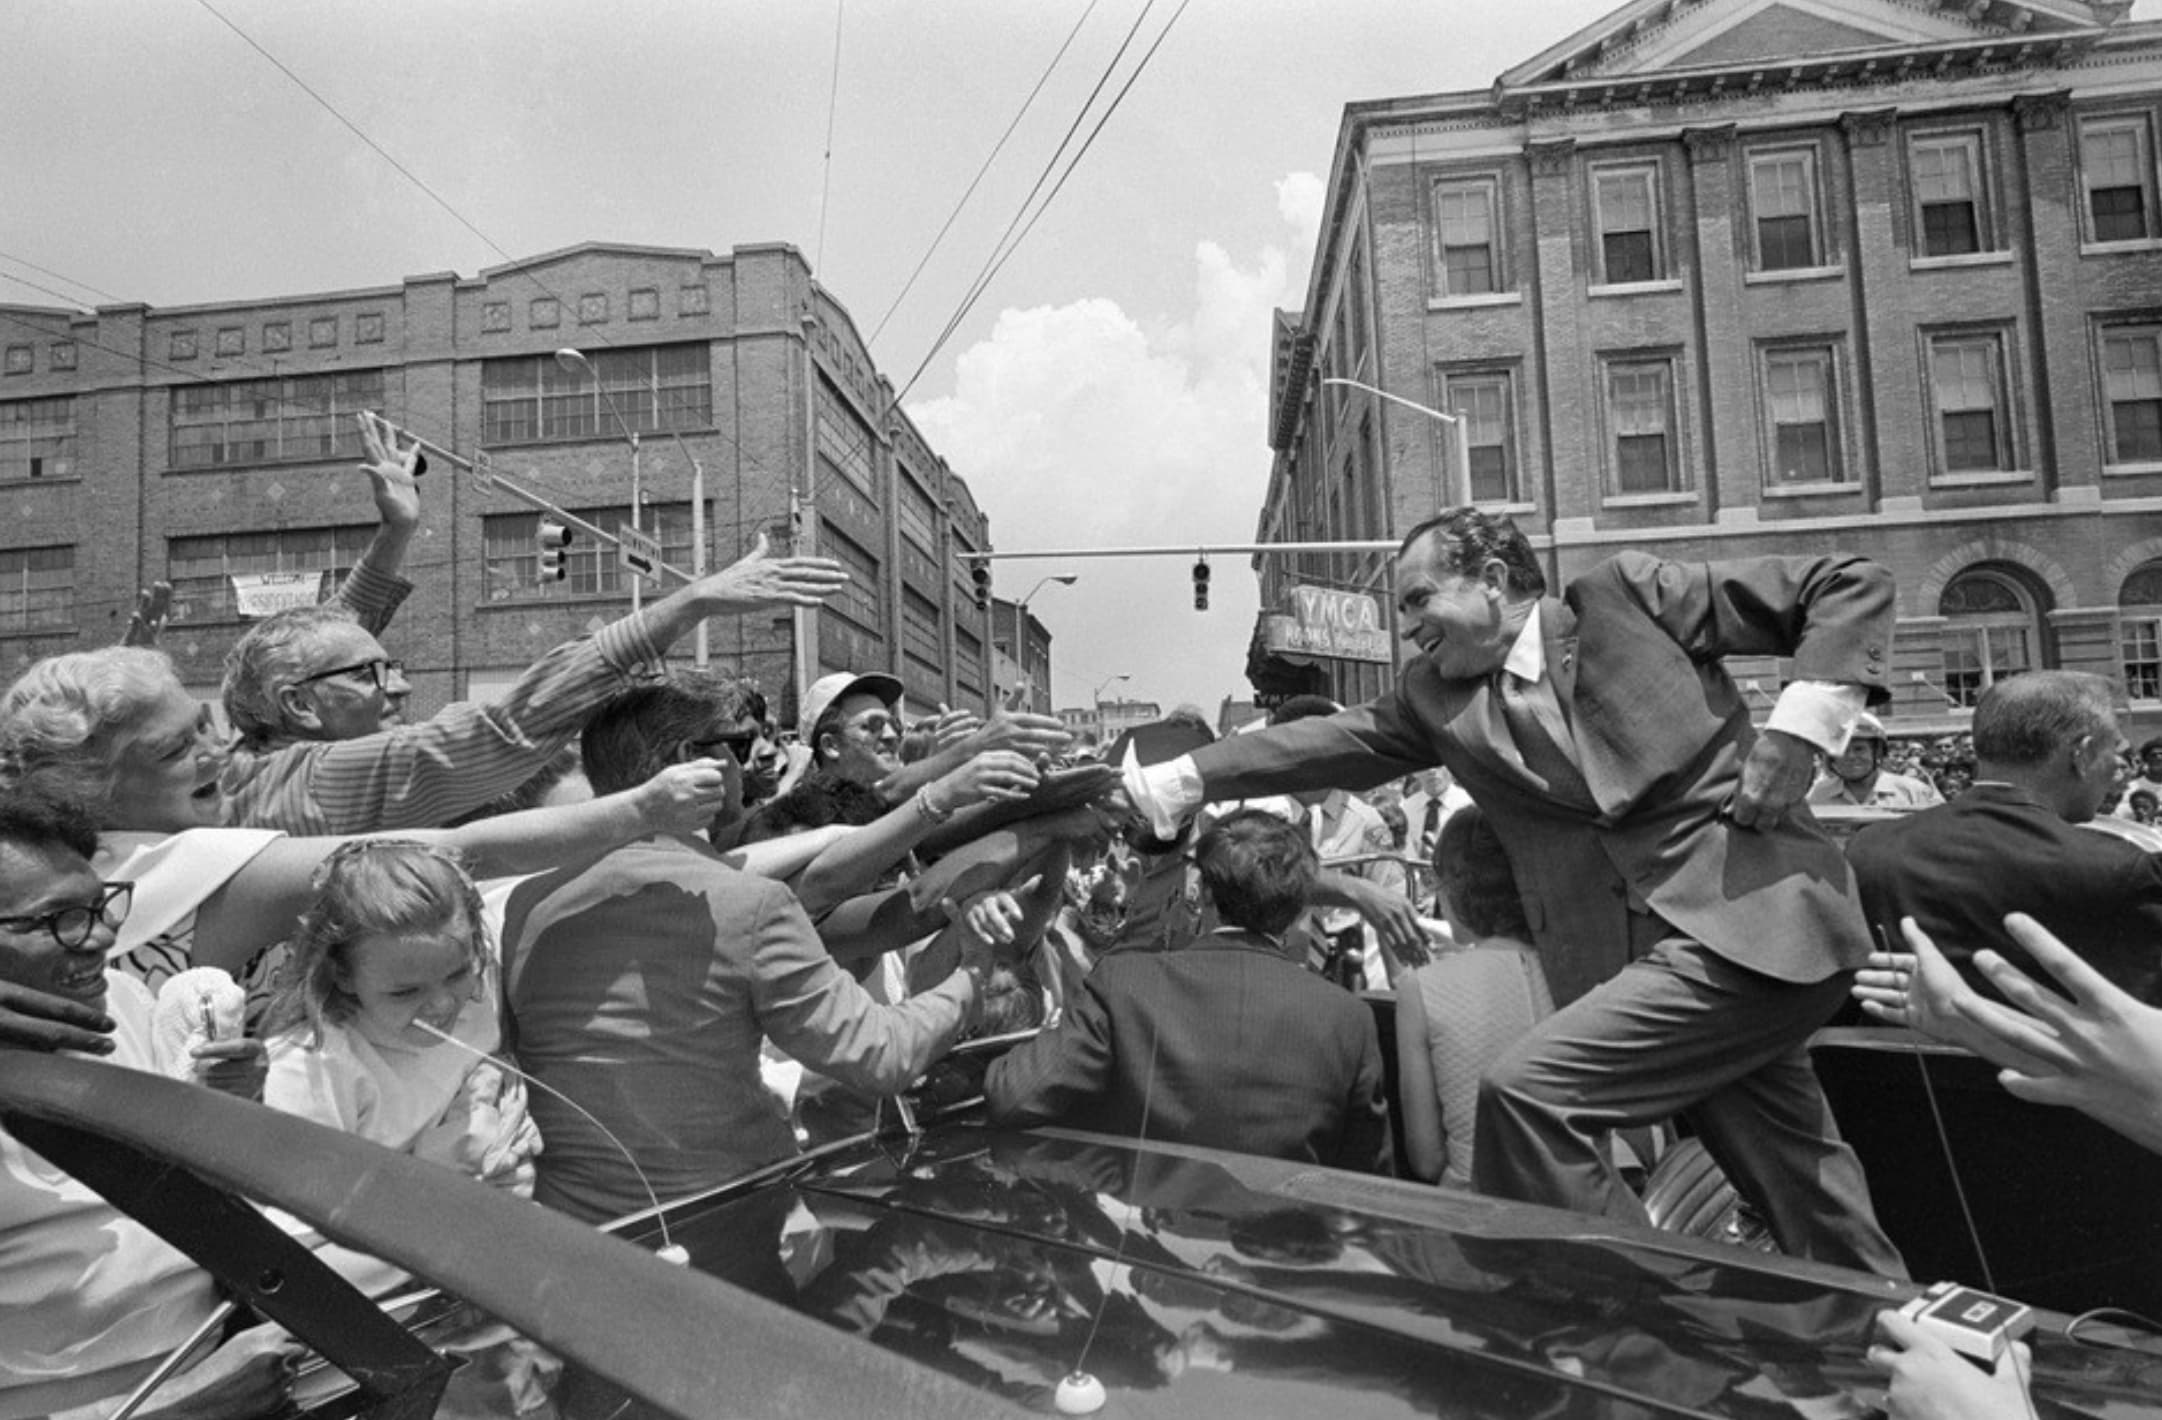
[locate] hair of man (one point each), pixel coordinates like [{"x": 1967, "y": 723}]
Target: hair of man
[
  {"x": 1258, "y": 869},
  {"x": 2027, "y": 720},
  {"x": 639, "y": 733},
  {"x": 1465, "y": 540},
  {"x": 269, "y": 656}
]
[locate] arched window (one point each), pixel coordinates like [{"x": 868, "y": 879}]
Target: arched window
[
  {"x": 1994, "y": 632},
  {"x": 2139, "y": 631}
]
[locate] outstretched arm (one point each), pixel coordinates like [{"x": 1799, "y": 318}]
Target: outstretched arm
[{"x": 377, "y": 586}]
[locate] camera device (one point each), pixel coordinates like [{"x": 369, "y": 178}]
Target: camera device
[{"x": 1975, "y": 1324}]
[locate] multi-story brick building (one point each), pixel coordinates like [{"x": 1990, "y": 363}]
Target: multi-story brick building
[
  {"x": 197, "y": 443},
  {"x": 1718, "y": 278},
  {"x": 1014, "y": 623}
]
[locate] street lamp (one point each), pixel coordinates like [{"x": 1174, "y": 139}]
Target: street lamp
[
  {"x": 1098, "y": 695},
  {"x": 1020, "y": 620},
  {"x": 575, "y": 360},
  {"x": 1460, "y": 463}
]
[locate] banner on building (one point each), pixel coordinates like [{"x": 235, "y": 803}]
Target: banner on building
[
  {"x": 1318, "y": 621},
  {"x": 259, "y": 594}
]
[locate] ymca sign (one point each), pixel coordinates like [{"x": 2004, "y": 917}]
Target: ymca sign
[{"x": 1320, "y": 622}]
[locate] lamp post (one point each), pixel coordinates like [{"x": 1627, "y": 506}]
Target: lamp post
[
  {"x": 1096, "y": 697},
  {"x": 1020, "y": 620},
  {"x": 1459, "y": 464}
]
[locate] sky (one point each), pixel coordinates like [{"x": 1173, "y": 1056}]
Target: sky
[{"x": 1110, "y": 389}]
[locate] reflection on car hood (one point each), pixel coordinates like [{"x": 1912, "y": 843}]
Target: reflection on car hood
[{"x": 1197, "y": 1283}]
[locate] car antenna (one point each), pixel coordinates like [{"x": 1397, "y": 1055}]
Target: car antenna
[
  {"x": 1079, "y": 1392},
  {"x": 669, "y": 1250}
]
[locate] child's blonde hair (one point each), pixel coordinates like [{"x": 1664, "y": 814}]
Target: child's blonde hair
[{"x": 396, "y": 886}]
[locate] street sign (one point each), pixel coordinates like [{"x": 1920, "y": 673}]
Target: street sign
[{"x": 638, "y": 552}]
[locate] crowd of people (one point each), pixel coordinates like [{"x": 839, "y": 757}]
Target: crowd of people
[{"x": 620, "y": 934}]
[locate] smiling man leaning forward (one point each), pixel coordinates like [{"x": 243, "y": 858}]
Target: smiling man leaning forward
[{"x": 1695, "y": 923}]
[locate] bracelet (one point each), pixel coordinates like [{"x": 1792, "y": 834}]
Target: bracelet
[{"x": 923, "y": 806}]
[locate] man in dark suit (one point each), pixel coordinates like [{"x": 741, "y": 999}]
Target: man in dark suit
[
  {"x": 1695, "y": 924},
  {"x": 2047, "y": 750},
  {"x": 1226, "y": 1042}
]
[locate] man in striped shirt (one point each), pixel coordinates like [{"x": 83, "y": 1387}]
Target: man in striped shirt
[{"x": 308, "y": 693}]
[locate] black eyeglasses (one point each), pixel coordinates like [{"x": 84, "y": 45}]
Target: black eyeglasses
[
  {"x": 72, "y": 925},
  {"x": 379, "y": 671},
  {"x": 738, "y": 745}
]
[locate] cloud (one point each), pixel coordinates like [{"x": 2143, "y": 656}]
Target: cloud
[{"x": 1081, "y": 426}]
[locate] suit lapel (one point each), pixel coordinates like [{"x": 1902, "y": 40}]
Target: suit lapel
[{"x": 1557, "y": 626}]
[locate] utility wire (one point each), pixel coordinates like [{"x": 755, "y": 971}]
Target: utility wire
[
  {"x": 57, "y": 276},
  {"x": 833, "y": 104},
  {"x": 996, "y": 149},
  {"x": 999, "y": 258}
]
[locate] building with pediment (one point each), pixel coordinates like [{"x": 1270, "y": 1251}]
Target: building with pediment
[
  {"x": 203, "y": 443},
  {"x": 1719, "y": 278}
]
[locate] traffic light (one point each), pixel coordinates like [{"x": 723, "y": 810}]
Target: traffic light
[
  {"x": 1201, "y": 585},
  {"x": 980, "y": 573},
  {"x": 555, "y": 540}
]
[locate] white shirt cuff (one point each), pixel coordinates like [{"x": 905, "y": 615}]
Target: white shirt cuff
[
  {"x": 1164, "y": 793},
  {"x": 1822, "y": 712}
]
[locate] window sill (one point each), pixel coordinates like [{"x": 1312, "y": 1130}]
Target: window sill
[
  {"x": 36, "y": 633},
  {"x": 1981, "y": 480},
  {"x": 2131, "y": 470},
  {"x": 1964, "y": 261},
  {"x": 266, "y": 465},
  {"x": 40, "y": 482},
  {"x": 1633, "y": 288},
  {"x": 1465, "y": 303},
  {"x": 2125, "y": 248},
  {"x": 1813, "y": 490},
  {"x": 570, "y": 439},
  {"x": 1647, "y": 500},
  {"x": 567, "y": 599},
  {"x": 1793, "y": 274}
]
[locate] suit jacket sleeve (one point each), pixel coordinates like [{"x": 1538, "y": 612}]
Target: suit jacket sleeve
[
  {"x": 1832, "y": 615},
  {"x": 1045, "y": 1079},
  {"x": 1357, "y": 749}
]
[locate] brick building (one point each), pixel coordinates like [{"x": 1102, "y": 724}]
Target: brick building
[
  {"x": 1723, "y": 277},
  {"x": 201, "y": 442},
  {"x": 1012, "y": 623}
]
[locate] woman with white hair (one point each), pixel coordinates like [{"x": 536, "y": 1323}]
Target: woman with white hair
[{"x": 115, "y": 730}]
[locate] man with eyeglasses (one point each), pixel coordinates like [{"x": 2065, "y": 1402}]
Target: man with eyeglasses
[
  {"x": 88, "y": 1296},
  {"x": 308, "y": 690}
]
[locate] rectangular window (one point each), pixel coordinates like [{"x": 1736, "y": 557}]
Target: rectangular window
[
  {"x": 919, "y": 516},
  {"x": 844, "y": 441},
  {"x": 2140, "y": 641},
  {"x": 1801, "y": 396},
  {"x": 919, "y": 632},
  {"x": 1482, "y": 400},
  {"x": 1784, "y": 207},
  {"x": 862, "y": 600},
  {"x": 1640, "y": 412},
  {"x": 1967, "y": 375},
  {"x": 201, "y": 568},
  {"x": 1976, "y": 657},
  {"x": 37, "y": 438},
  {"x": 1627, "y": 207},
  {"x": 1467, "y": 221},
  {"x": 37, "y": 588},
  {"x": 273, "y": 420},
  {"x": 1949, "y": 213},
  {"x": 967, "y": 663},
  {"x": 530, "y": 399},
  {"x": 2132, "y": 385},
  {"x": 2116, "y": 157},
  {"x": 512, "y": 553},
  {"x": 1355, "y": 297}
]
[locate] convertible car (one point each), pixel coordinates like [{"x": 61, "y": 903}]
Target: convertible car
[{"x": 935, "y": 1266}]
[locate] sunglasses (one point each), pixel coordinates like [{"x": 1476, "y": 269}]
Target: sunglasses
[
  {"x": 72, "y": 925},
  {"x": 378, "y": 671},
  {"x": 739, "y": 746}
]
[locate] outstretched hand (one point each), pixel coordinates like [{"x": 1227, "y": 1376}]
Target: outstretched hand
[
  {"x": 391, "y": 471},
  {"x": 1925, "y": 1379},
  {"x": 759, "y": 579},
  {"x": 1775, "y": 777},
  {"x": 684, "y": 798}
]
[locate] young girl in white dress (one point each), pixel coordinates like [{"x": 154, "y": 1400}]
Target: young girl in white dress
[{"x": 394, "y": 955}]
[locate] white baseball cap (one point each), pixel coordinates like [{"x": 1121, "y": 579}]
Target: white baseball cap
[{"x": 828, "y": 689}]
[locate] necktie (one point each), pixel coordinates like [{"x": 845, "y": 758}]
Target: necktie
[
  {"x": 1541, "y": 744},
  {"x": 1431, "y": 827}
]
